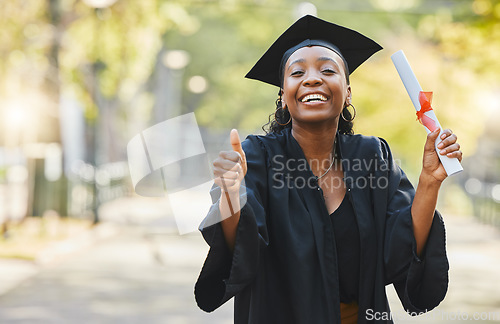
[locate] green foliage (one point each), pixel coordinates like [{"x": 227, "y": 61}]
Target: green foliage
[{"x": 109, "y": 56}]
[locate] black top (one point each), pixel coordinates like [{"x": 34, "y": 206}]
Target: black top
[{"x": 346, "y": 234}]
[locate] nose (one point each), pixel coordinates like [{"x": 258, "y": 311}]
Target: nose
[{"x": 312, "y": 79}]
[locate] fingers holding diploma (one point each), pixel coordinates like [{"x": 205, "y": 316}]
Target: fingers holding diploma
[{"x": 447, "y": 145}]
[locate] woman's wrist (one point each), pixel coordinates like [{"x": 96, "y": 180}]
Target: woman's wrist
[{"x": 428, "y": 182}]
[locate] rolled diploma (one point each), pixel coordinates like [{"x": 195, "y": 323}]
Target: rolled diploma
[{"x": 451, "y": 165}]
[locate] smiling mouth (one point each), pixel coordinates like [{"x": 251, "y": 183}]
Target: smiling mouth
[{"x": 314, "y": 98}]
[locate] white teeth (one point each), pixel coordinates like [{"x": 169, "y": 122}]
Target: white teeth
[{"x": 314, "y": 97}]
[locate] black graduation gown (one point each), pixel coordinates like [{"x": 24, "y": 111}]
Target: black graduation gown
[{"x": 284, "y": 265}]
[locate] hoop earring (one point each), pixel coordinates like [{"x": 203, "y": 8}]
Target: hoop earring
[
  {"x": 276, "y": 117},
  {"x": 352, "y": 118}
]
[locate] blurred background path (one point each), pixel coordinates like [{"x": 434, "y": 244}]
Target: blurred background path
[
  {"x": 133, "y": 272},
  {"x": 142, "y": 271}
]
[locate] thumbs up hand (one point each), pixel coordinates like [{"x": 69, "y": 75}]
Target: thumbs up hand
[
  {"x": 231, "y": 166},
  {"x": 229, "y": 170}
]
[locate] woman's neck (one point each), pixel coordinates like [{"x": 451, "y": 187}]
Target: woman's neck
[{"x": 317, "y": 144}]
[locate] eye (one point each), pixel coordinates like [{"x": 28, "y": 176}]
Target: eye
[
  {"x": 329, "y": 71},
  {"x": 297, "y": 73}
]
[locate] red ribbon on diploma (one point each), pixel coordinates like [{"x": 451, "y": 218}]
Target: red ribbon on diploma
[{"x": 425, "y": 99}]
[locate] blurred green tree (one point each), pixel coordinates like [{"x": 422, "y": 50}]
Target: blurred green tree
[{"x": 111, "y": 59}]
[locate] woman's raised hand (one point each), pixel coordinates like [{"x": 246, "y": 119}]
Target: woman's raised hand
[
  {"x": 432, "y": 168},
  {"x": 231, "y": 166},
  {"x": 229, "y": 170}
]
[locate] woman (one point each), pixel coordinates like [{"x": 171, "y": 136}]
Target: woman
[{"x": 325, "y": 219}]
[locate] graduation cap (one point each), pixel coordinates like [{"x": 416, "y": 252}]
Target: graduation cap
[{"x": 353, "y": 47}]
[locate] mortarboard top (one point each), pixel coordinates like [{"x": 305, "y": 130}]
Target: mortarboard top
[{"x": 354, "y": 47}]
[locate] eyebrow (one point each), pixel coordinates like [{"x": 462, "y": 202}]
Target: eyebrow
[
  {"x": 322, "y": 58},
  {"x": 296, "y": 61},
  {"x": 325, "y": 58}
]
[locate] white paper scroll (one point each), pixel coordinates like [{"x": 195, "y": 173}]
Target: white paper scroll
[{"x": 451, "y": 165}]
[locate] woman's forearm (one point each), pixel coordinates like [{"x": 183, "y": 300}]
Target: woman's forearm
[
  {"x": 422, "y": 210},
  {"x": 230, "y": 214}
]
